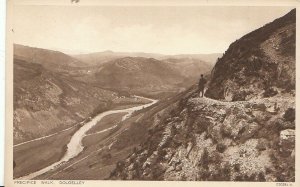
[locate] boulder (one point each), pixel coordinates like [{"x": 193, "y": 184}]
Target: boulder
[
  {"x": 287, "y": 135},
  {"x": 287, "y": 141}
]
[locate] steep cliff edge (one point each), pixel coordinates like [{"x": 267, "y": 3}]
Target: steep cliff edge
[
  {"x": 250, "y": 138},
  {"x": 205, "y": 139},
  {"x": 260, "y": 64}
]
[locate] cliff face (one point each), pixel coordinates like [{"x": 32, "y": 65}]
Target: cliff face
[
  {"x": 205, "y": 139},
  {"x": 209, "y": 139},
  {"x": 260, "y": 64}
]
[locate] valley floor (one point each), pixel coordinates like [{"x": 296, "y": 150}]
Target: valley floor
[{"x": 51, "y": 149}]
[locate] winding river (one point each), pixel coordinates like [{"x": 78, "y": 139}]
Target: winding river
[{"x": 75, "y": 146}]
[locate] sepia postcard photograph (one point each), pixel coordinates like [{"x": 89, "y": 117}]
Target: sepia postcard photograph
[{"x": 174, "y": 92}]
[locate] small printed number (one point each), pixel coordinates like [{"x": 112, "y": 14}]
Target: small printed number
[{"x": 282, "y": 184}]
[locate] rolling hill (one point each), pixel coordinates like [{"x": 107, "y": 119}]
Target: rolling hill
[
  {"x": 191, "y": 68},
  {"x": 47, "y": 101},
  {"x": 145, "y": 76},
  {"x": 53, "y": 60},
  {"x": 139, "y": 75}
]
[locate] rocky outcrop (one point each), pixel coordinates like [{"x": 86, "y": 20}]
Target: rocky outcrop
[
  {"x": 205, "y": 139},
  {"x": 260, "y": 64}
]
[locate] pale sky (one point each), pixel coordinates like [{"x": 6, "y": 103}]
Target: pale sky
[{"x": 153, "y": 29}]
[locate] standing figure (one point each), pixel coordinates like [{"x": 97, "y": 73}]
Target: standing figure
[{"x": 201, "y": 85}]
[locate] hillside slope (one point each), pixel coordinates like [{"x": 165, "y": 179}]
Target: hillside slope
[
  {"x": 53, "y": 60},
  {"x": 137, "y": 75},
  {"x": 260, "y": 64},
  {"x": 206, "y": 139},
  {"x": 190, "y": 68},
  {"x": 47, "y": 101}
]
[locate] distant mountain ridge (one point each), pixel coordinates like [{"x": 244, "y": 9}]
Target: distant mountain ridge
[
  {"x": 98, "y": 58},
  {"x": 210, "y": 58},
  {"x": 54, "y": 60},
  {"x": 191, "y": 68},
  {"x": 106, "y": 56},
  {"x": 172, "y": 73}
]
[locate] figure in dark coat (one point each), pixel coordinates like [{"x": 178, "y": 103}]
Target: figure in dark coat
[{"x": 201, "y": 85}]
